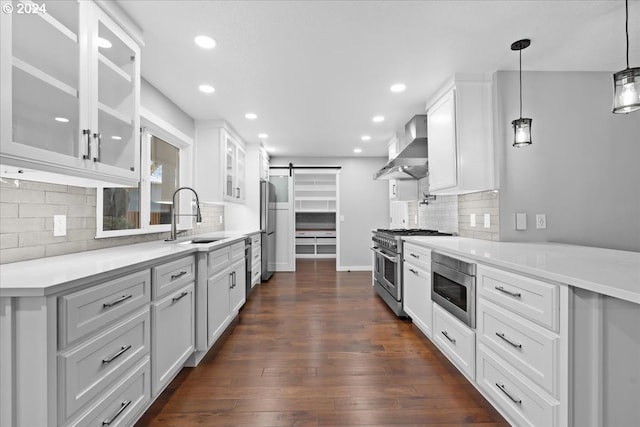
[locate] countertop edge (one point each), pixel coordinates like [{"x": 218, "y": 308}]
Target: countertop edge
[
  {"x": 541, "y": 274},
  {"x": 175, "y": 249}
]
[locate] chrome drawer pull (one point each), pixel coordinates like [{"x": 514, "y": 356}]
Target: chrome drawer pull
[
  {"x": 123, "y": 406},
  {"x": 256, "y": 256},
  {"x": 118, "y": 354},
  {"x": 501, "y": 335},
  {"x": 502, "y": 389},
  {"x": 175, "y": 276},
  {"x": 414, "y": 272},
  {"x": 453, "y": 340},
  {"x": 415, "y": 256},
  {"x": 504, "y": 291},
  {"x": 178, "y": 298},
  {"x": 116, "y": 302}
]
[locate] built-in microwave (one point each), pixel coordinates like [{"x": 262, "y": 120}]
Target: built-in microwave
[{"x": 453, "y": 287}]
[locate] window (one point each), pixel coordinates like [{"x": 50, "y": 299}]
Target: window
[{"x": 146, "y": 208}]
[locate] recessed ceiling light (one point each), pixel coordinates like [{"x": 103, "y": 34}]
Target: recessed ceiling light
[
  {"x": 357, "y": 150},
  {"x": 398, "y": 87},
  {"x": 365, "y": 138},
  {"x": 263, "y": 136},
  {"x": 205, "y": 42},
  {"x": 61, "y": 119},
  {"x": 207, "y": 88},
  {"x": 104, "y": 43},
  {"x": 117, "y": 138},
  {"x": 251, "y": 116},
  {"x": 378, "y": 119}
]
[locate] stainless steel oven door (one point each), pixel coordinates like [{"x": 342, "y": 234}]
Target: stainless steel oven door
[
  {"x": 387, "y": 270},
  {"x": 455, "y": 292}
]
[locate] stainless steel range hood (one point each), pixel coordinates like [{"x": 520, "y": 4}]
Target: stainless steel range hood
[{"x": 412, "y": 161}]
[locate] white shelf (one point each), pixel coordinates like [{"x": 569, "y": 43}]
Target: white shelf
[
  {"x": 114, "y": 113},
  {"x": 113, "y": 67},
  {"x": 44, "y": 77}
]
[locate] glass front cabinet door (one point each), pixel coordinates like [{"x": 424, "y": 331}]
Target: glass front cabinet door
[{"x": 70, "y": 79}]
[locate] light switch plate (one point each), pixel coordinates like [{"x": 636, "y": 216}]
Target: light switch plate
[
  {"x": 541, "y": 221},
  {"x": 59, "y": 225},
  {"x": 521, "y": 221},
  {"x": 472, "y": 220},
  {"x": 487, "y": 220}
]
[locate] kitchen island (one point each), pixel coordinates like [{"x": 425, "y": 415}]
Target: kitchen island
[{"x": 557, "y": 338}]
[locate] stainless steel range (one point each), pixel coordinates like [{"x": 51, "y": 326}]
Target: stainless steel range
[{"x": 387, "y": 271}]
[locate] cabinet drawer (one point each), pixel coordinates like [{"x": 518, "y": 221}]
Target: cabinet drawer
[
  {"x": 326, "y": 241},
  {"x": 256, "y": 274},
  {"x": 305, "y": 234},
  {"x": 218, "y": 260},
  {"x": 92, "y": 308},
  {"x": 522, "y": 403},
  {"x": 456, "y": 340},
  {"x": 305, "y": 241},
  {"x": 530, "y": 348},
  {"x": 331, "y": 233},
  {"x": 86, "y": 371},
  {"x": 173, "y": 335},
  {"x": 122, "y": 404},
  {"x": 530, "y": 298},
  {"x": 255, "y": 254},
  {"x": 417, "y": 255},
  {"x": 255, "y": 240},
  {"x": 237, "y": 251},
  {"x": 172, "y": 275}
]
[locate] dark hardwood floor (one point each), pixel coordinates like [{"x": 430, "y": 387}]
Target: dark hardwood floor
[{"x": 319, "y": 348}]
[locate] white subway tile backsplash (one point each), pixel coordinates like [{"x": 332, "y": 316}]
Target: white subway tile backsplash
[{"x": 27, "y": 210}]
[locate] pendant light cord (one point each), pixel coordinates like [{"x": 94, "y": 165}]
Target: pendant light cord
[
  {"x": 521, "y": 82},
  {"x": 626, "y": 27}
]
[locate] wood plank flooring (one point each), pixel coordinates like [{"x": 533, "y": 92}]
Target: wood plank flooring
[{"x": 319, "y": 348}]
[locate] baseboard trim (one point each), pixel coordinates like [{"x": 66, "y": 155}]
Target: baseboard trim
[{"x": 354, "y": 268}]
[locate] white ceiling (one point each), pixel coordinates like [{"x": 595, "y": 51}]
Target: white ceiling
[{"x": 316, "y": 72}]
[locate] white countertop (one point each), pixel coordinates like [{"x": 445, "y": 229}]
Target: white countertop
[
  {"x": 605, "y": 271},
  {"x": 45, "y": 276}
]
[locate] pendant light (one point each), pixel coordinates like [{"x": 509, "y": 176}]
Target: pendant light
[
  {"x": 521, "y": 126},
  {"x": 626, "y": 83}
]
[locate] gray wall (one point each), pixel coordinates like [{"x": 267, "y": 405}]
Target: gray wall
[
  {"x": 582, "y": 169},
  {"x": 364, "y": 203}
]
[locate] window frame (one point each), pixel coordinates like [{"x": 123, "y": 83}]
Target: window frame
[{"x": 151, "y": 124}]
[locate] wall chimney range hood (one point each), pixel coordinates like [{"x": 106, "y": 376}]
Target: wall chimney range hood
[{"x": 411, "y": 162}]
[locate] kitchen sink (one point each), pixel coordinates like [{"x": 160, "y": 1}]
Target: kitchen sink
[{"x": 202, "y": 240}]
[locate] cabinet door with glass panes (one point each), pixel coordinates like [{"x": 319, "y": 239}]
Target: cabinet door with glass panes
[
  {"x": 70, "y": 81},
  {"x": 234, "y": 168}
]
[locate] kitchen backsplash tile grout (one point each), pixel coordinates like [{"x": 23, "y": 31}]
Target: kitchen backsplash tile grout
[{"x": 26, "y": 226}]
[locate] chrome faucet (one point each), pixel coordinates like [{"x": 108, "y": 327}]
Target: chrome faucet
[{"x": 174, "y": 213}]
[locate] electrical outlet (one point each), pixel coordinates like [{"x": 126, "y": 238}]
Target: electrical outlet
[
  {"x": 521, "y": 221},
  {"x": 59, "y": 225},
  {"x": 221, "y": 219},
  {"x": 472, "y": 220},
  {"x": 487, "y": 220},
  {"x": 541, "y": 221}
]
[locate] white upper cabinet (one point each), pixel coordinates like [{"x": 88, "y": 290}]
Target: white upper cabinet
[
  {"x": 70, "y": 78},
  {"x": 220, "y": 163},
  {"x": 234, "y": 167},
  {"x": 459, "y": 129}
]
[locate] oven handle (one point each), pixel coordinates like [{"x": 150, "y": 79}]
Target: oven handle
[{"x": 379, "y": 252}]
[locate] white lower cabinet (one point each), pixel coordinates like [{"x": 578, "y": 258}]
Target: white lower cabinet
[
  {"x": 122, "y": 404},
  {"x": 86, "y": 370},
  {"x": 416, "y": 287},
  {"x": 456, "y": 340},
  {"x": 217, "y": 305},
  {"x": 226, "y": 289},
  {"x": 506, "y": 388},
  {"x": 173, "y": 338}
]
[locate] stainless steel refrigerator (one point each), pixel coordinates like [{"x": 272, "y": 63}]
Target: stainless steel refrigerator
[{"x": 268, "y": 227}]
